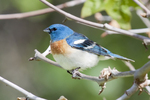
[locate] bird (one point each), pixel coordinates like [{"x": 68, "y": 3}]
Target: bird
[{"x": 73, "y": 50}]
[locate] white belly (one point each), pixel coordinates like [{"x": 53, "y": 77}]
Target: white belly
[{"x": 76, "y": 58}]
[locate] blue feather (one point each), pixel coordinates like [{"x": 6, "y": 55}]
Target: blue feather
[
  {"x": 121, "y": 57},
  {"x": 96, "y": 49}
]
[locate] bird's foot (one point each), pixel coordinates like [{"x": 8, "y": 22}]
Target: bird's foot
[{"x": 74, "y": 73}]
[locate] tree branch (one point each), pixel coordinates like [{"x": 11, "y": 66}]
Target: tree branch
[
  {"x": 140, "y": 74},
  {"x": 129, "y": 92},
  {"x": 133, "y": 89},
  {"x": 28, "y": 94},
  {"x": 142, "y": 30},
  {"x": 145, "y": 20},
  {"x": 40, "y": 12},
  {"x": 147, "y": 14},
  {"x": 130, "y": 66},
  {"x": 140, "y": 81},
  {"x": 97, "y": 25},
  {"x": 39, "y": 56}
]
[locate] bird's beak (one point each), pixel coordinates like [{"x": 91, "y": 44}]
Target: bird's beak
[{"x": 46, "y": 30}]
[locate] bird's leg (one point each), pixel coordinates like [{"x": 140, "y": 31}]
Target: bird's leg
[
  {"x": 73, "y": 73},
  {"x": 77, "y": 68},
  {"x": 69, "y": 71}
]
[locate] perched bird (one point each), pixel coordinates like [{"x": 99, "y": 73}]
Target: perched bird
[{"x": 72, "y": 50}]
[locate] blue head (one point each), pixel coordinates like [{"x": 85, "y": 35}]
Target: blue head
[{"x": 58, "y": 32}]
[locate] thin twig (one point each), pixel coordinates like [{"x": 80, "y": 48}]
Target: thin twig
[
  {"x": 140, "y": 37},
  {"x": 42, "y": 56},
  {"x": 147, "y": 14},
  {"x": 40, "y": 12},
  {"x": 97, "y": 25},
  {"x": 47, "y": 51},
  {"x": 145, "y": 20},
  {"x": 131, "y": 67},
  {"x": 28, "y": 94},
  {"x": 142, "y": 30},
  {"x": 39, "y": 56}
]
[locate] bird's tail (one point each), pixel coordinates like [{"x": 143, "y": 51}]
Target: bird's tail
[{"x": 120, "y": 57}]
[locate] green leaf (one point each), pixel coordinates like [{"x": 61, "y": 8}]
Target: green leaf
[
  {"x": 91, "y": 6},
  {"x": 131, "y": 3},
  {"x": 119, "y": 10}
]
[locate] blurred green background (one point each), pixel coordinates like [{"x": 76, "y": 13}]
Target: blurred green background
[{"x": 19, "y": 38}]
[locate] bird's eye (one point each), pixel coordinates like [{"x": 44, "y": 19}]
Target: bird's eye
[{"x": 54, "y": 29}]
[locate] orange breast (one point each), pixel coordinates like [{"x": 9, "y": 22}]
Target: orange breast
[{"x": 60, "y": 47}]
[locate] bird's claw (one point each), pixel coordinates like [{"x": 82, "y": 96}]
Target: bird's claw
[{"x": 74, "y": 73}]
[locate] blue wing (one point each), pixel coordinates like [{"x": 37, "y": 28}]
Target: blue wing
[
  {"x": 86, "y": 45},
  {"x": 81, "y": 42}
]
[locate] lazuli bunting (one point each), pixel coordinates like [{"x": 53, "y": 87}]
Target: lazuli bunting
[{"x": 72, "y": 50}]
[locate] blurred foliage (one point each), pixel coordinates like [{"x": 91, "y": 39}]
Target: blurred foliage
[
  {"x": 28, "y": 5},
  {"x": 19, "y": 38},
  {"x": 119, "y": 10}
]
